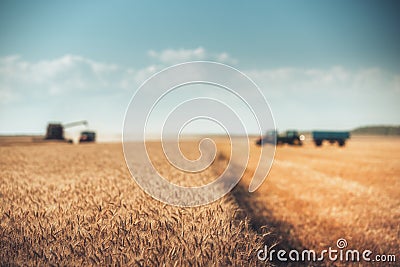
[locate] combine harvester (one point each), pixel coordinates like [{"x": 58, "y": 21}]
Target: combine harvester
[{"x": 55, "y": 131}]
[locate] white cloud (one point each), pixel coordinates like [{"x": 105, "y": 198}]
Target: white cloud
[
  {"x": 69, "y": 74},
  {"x": 174, "y": 56},
  {"x": 337, "y": 78},
  {"x": 145, "y": 73},
  {"x": 331, "y": 96},
  {"x": 226, "y": 58},
  {"x": 73, "y": 73},
  {"x": 297, "y": 95}
]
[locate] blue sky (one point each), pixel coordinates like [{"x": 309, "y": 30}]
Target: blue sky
[{"x": 320, "y": 64}]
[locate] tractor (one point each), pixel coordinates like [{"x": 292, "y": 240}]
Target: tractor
[{"x": 291, "y": 137}]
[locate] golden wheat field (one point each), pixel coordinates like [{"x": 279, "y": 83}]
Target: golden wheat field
[
  {"x": 78, "y": 205},
  {"x": 63, "y": 204}
]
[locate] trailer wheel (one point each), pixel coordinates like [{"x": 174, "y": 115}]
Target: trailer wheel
[
  {"x": 318, "y": 142},
  {"x": 341, "y": 142}
]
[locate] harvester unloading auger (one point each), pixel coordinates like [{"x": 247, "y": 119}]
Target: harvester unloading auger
[{"x": 55, "y": 131}]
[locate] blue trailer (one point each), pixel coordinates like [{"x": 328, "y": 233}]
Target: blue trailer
[{"x": 331, "y": 137}]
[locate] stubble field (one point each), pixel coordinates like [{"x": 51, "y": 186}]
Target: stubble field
[
  {"x": 66, "y": 204},
  {"x": 315, "y": 196}
]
